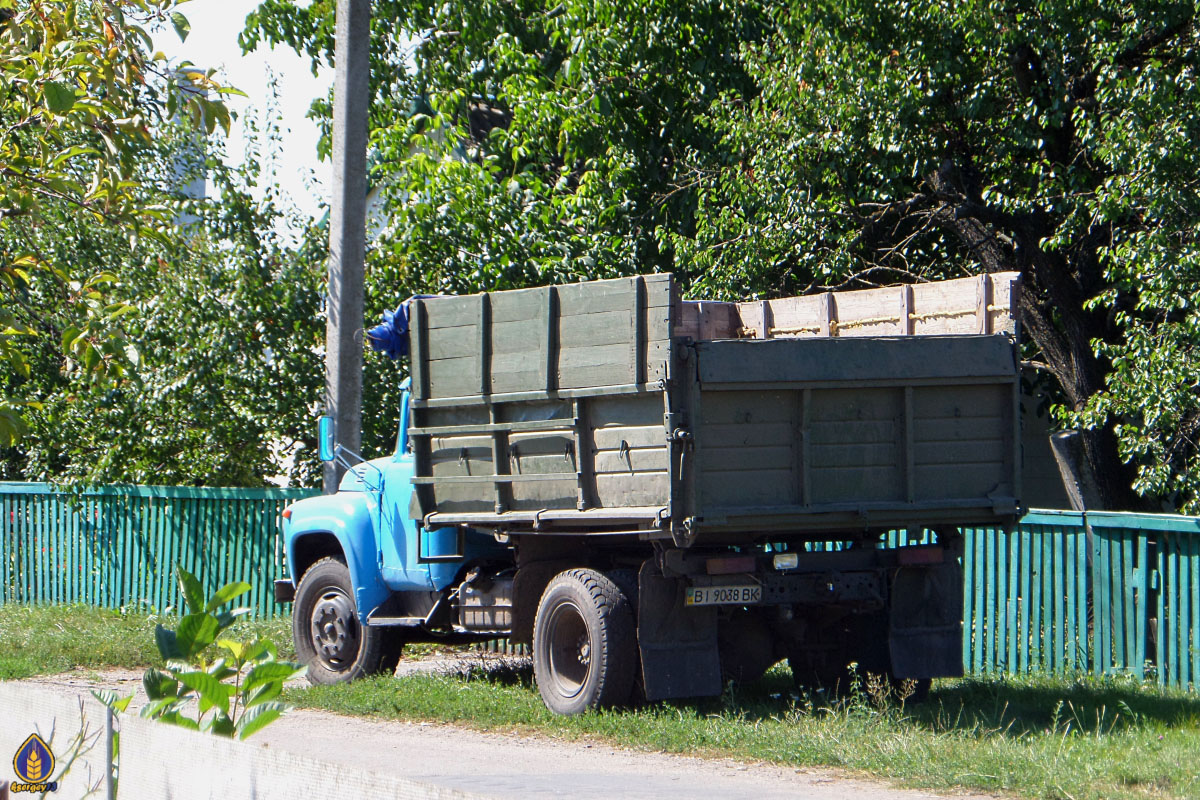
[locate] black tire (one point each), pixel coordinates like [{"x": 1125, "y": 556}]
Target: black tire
[
  {"x": 584, "y": 643},
  {"x": 326, "y": 631}
]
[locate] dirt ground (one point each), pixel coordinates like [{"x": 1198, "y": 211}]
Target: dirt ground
[{"x": 506, "y": 765}]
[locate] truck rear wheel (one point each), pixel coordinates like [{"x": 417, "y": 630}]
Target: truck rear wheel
[
  {"x": 327, "y": 634},
  {"x": 584, "y": 643}
]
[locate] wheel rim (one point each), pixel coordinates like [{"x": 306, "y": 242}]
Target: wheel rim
[
  {"x": 569, "y": 650},
  {"x": 334, "y": 629}
]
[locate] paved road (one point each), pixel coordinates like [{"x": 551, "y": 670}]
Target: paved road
[{"x": 506, "y": 765}]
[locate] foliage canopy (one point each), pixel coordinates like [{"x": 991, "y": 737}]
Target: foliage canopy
[
  {"x": 81, "y": 96},
  {"x": 761, "y": 149}
]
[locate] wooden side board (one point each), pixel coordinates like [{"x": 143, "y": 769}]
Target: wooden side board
[
  {"x": 544, "y": 340},
  {"x": 979, "y": 304}
]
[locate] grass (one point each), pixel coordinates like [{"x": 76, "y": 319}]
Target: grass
[
  {"x": 1074, "y": 738},
  {"x": 43, "y": 640}
]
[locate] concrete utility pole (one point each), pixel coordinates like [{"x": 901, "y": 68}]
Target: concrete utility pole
[{"x": 347, "y": 228}]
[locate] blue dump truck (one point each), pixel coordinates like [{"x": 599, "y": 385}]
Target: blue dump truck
[{"x": 660, "y": 495}]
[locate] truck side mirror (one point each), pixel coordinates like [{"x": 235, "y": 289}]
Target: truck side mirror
[{"x": 326, "y": 449}]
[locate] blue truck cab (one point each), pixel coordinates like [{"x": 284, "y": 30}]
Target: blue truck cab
[{"x": 366, "y": 577}]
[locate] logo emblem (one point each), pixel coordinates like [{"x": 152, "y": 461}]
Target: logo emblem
[{"x": 34, "y": 764}]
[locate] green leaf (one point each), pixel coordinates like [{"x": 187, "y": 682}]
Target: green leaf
[
  {"x": 213, "y": 693},
  {"x": 271, "y": 671},
  {"x": 155, "y": 709},
  {"x": 177, "y": 718},
  {"x": 159, "y": 684},
  {"x": 196, "y": 632},
  {"x": 235, "y": 648},
  {"x": 60, "y": 98},
  {"x": 257, "y": 718},
  {"x": 168, "y": 645},
  {"x": 261, "y": 694},
  {"x": 227, "y": 618},
  {"x": 193, "y": 592},
  {"x": 181, "y": 24},
  {"x": 107, "y": 696},
  {"x": 226, "y": 593},
  {"x": 219, "y": 725}
]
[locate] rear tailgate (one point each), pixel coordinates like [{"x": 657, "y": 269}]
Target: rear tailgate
[{"x": 828, "y": 434}]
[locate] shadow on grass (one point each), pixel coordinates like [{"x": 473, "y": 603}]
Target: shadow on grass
[
  {"x": 1010, "y": 706},
  {"x": 1001, "y": 705},
  {"x": 1084, "y": 703}
]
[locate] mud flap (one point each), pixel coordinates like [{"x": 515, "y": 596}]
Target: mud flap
[
  {"x": 678, "y": 644},
  {"x": 925, "y": 624}
]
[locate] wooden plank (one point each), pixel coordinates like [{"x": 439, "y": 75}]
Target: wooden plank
[
  {"x": 501, "y": 464},
  {"x": 905, "y": 324},
  {"x": 644, "y": 459},
  {"x": 983, "y": 302},
  {"x": 1138, "y": 603},
  {"x": 418, "y": 343},
  {"x": 854, "y": 455},
  {"x": 1172, "y": 623},
  {"x": 1103, "y": 614},
  {"x": 449, "y": 311},
  {"x": 854, "y": 361},
  {"x": 970, "y": 580},
  {"x": 1036, "y": 629},
  {"x": 1082, "y": 584},
  {"x": 1012, "y": 573},
  {"x": 603, "y": 328},
  {"x": 910, "y": 455},
  {"x": 828, "y": 312},
  {"x": 1165, "y": 631},
  {"x": 483, "y": 345},
  {"x": 990, "y": 602},
  {"x": 1070, "y": 542},
  {"x": 932, "y": 308},
  {"x": 637, "y": 354},
  {"x": 460, "y": 341},
  {"x": 585, "y": 472},
  {"x": 454, "y": 377},
  {"x": 865, "y": 313},
  {"x": 1120, "y": 597},
  {"x": 719, "y": 459},
  {"x": 551, "y": 356},
  {"x": 645, "y": 489},
  {"x": 1191, "y": 564},
  {"x": 1060, "y": 628}
]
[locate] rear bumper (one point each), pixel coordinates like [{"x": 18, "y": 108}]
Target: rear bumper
[{"x": 285, "y": 591}]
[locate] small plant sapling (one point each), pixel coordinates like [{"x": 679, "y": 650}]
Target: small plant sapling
[{"x": 235, "y": 694}]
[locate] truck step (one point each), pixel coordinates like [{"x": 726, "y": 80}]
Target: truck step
[{"x": 395, "y": 622}]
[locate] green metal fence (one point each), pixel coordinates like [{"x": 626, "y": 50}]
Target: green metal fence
[
  {"x": 1104, "y": 592},
  {"x": 1062, "y": 592},
  {"x": 116, "y": 546}
]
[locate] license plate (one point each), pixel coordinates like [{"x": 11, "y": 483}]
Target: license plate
[{"x": 722, "y": 595}]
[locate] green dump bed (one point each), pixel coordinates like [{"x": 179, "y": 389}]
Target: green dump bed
[{"x": 596, "y": 408}]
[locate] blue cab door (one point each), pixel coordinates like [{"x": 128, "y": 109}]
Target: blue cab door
[{"x": 403, "y": 545}]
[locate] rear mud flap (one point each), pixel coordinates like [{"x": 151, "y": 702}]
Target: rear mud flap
[
  {"x": 678, "y": 644},
  {"x": 925, "y": 625}
]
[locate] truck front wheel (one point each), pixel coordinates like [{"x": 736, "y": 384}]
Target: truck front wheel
[
  {"x": 327, "y": 633},
  {"x": 584, "y": 643}
]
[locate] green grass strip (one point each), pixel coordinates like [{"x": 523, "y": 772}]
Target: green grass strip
[{"x": 1066, "y": 738}]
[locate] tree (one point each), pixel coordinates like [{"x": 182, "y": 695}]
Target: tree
[
  {"x": 898, "y": 140},
  {"x": 531, "y": 141},
  {"x": 80, "y": 97},
  {"x": 523, "y": 143},
  {"x": 225, "y": 316},
  {"x": 760, "y": 151}
]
